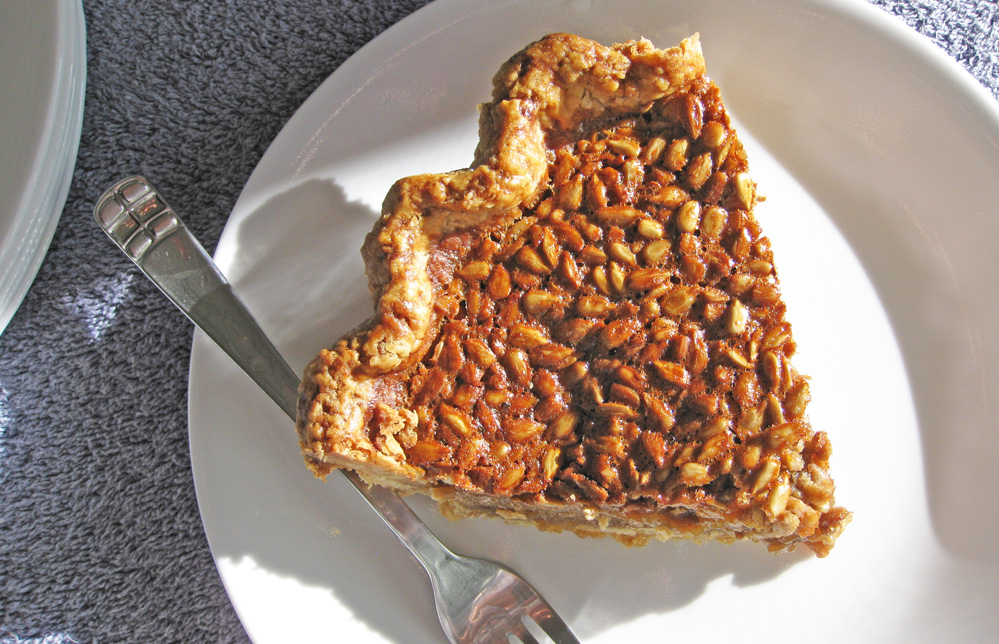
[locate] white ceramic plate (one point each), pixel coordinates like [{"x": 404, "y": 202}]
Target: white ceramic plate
[
  {"x": 879, "y": 156},
  {"x": 42, "y": 78}
]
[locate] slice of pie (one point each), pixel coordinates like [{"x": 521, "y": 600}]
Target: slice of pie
[{"x": 584, "y": 330}]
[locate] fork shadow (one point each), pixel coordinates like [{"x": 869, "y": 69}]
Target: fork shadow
[{"x": 274, "y": 516}]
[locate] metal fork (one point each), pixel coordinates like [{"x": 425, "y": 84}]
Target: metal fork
[{"x": 477, "y": 601}]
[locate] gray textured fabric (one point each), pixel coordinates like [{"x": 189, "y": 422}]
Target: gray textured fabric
[{"x": 108, "y": 546}]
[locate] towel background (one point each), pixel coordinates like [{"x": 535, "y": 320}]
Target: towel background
[{"x": 100, "y": 538}]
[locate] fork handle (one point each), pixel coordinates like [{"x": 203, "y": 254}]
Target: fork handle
[{"x": 141, "y": 223}]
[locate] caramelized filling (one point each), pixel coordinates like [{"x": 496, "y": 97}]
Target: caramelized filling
[{"x": 624, "y": 339}]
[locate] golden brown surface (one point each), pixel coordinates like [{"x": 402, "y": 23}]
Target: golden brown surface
[{"x": 584, "y": 330}]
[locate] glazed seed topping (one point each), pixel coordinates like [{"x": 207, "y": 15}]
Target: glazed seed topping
[{"x": 624, "y": 339}]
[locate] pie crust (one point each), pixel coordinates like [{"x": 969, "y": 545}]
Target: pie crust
[{"x": 583, "y": 330}]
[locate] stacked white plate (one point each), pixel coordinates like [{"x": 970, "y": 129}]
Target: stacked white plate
[{"x": 42, "y": 79}]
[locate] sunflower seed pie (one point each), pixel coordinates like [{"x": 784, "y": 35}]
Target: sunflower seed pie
[{"x": 583, "y": 330}]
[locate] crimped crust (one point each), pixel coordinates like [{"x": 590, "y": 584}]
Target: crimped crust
[{"x": 622, "y": 465}]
